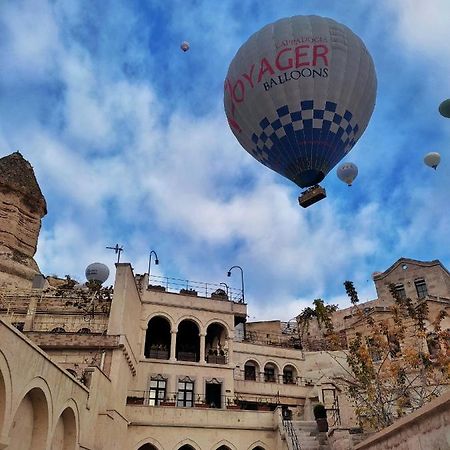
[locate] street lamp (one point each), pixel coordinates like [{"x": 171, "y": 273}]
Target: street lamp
[
  {"x": 242, "y": 280},
  {"x": 150, "y": 262}
]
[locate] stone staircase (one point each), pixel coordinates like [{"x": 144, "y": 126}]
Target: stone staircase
[{"x": 308, "y": 437}]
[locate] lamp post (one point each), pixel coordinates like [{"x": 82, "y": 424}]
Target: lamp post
[
  {"x": 242, "y": 280},
  {"x": 150, "y": 262},
  {"x": 226, "y": 286}
]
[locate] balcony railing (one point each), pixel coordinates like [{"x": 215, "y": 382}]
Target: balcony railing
[
  {"x": 195, "y": 288},
  {"x": 247, "y": 402},
  {"x": 158, "y": 354},
  {"x": 216, "y": 359},
  {"x": 187, "y": 356},
  {"x": 261, "y": 377}
]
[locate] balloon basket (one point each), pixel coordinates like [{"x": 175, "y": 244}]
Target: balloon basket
[{"x": 311, "y": 196}]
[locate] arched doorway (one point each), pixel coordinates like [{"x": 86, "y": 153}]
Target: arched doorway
[
  {"x": 30, "y": 424},
  {"x": 65, "y": 435},
  {"x": 157, "y": 338},
  {"x": 251, "y": 371},
  {"x": 188, "y": 341}
]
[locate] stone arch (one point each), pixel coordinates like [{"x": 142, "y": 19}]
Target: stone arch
[
  {"x": 148, "y": 444},
  {"x": 162, "y": 314},
  {"x": 216, "y": 343},
  {"x": 65, "y": 433},
  {"x": 222, "y": 322},
  {"x": 192, "y": 319},
  {"x": 271, "y": 371},
  {"x": 158, "y": 337},
  {"x": 5, "y": 392},
  {"x": 188, "y": 341},
  {"x": 186, "y": 444},
  {"x": 252, "y": 369},
  {"x": 223, "y": 445},
  {"x": 30, "y": 426},
  {"x": 290, "y": 374},
  {"x": 258, "y": 445}
]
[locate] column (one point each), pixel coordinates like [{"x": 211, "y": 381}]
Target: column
[
  {"x": 230, "y": 349},
  {"x": 143, "y": 341},
  {"x": 202, "y": 348},
  {"x": 173, "y": 345}
]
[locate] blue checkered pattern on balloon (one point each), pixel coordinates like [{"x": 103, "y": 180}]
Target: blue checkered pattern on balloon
[{"x": 307, "y": 138}]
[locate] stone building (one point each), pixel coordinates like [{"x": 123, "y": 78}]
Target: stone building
[{"x": 155, "y": 365}]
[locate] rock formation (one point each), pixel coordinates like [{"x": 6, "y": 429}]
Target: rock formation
[{"x": 22, "y": 207}]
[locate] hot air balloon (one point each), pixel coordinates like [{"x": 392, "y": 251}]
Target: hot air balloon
[
  {"x": 347, "y": 172},
  {"x": 432, "y": 159},
  {"x": 298, "y": 95},
  {"x": 444, "y": 108},
  {"x": 184, "y": 46}
]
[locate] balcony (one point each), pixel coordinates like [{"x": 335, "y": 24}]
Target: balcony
[
  {"x": 216, "y": 359},
  {"x": 158, "y": 354},
  {"x": 187, "y": 356}
]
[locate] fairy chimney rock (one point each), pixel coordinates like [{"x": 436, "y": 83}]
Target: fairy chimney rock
[{"x": 22, "y": 207}]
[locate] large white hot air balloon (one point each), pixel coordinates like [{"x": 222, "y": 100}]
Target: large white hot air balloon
[
  {"x": 299, "y": 94},
  {"x": 432, "y": 159},
  {"x": 347, "y": 172}
]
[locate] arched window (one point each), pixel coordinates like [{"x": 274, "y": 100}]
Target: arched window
[
  {"x": 188, "y": 341},
  {"x": 270, "y": 373},
  {"x": 251, "y": 371},
  {"x": 84, "y": 331},
  {"x": 157, "y": 338},
  {"x": 147, "y": 447},
  {"x": 216, "y": 345},
  {"x": 58, "y": 330},
  {"x": 186, "y": 447},
  {"x": 289, "y": 375}
]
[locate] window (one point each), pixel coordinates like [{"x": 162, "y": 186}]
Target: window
[
  {"x": 421, "y": 288},
  {"x": 250, "y": 372},
  {"x": 84, "y": 331},
  {"x": 58, "y": 330},
  {"x": 185, "y": 392},
  {"x": 400, "y": 290},
  {"x": 18, "y": 325},
  {"x": 394, "y": 346},
  {"x": 157, "y": 393},
  {"x": 269, "y": 374},
  {"x": 288, "y": 376}
]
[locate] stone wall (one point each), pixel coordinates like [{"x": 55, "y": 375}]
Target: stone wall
[{"x": 425, "y": 429}]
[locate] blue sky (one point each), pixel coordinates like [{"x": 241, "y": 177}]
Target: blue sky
[{"x": 130, "y": 145}]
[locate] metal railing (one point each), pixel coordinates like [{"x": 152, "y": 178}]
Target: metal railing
[
  {"x": 237, "y": 401},
  {"x": 259, "y": 377},
  {"x": 291, "y": 433},
  {"x": 214, "y": 291}
]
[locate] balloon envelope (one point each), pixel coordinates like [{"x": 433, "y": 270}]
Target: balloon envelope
[
  {"x": 299, "y": 94},
  {"x": 444, "y": 108},
  {"x": 432, "y": 159},
  {"x": 347, "y": 172},
  {"x": 184, "y": 46}
]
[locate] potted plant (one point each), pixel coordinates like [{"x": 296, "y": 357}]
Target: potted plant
[
  {"x": 320, "y": 414},
  {"x": 233, "y": 403},
  {"x": 168, "y": 401}
]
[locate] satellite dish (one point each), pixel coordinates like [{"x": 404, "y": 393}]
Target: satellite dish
[
  {"x": 432, "y": 159},
  {"x": 97, "y": 272},
  {"x": 444, "y": 108},
  {"x": 347, "y": 172},
  {"x": 185, "y": 46}
]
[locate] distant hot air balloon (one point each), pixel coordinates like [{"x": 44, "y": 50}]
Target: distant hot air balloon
[
  {"x": 299, "y": 94},
  {"x": 184, "y": 46},
  {"x": 444, "y": 108},
  {"x": 432, "y": 159},
  {"x": 347, "y": 172}
]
